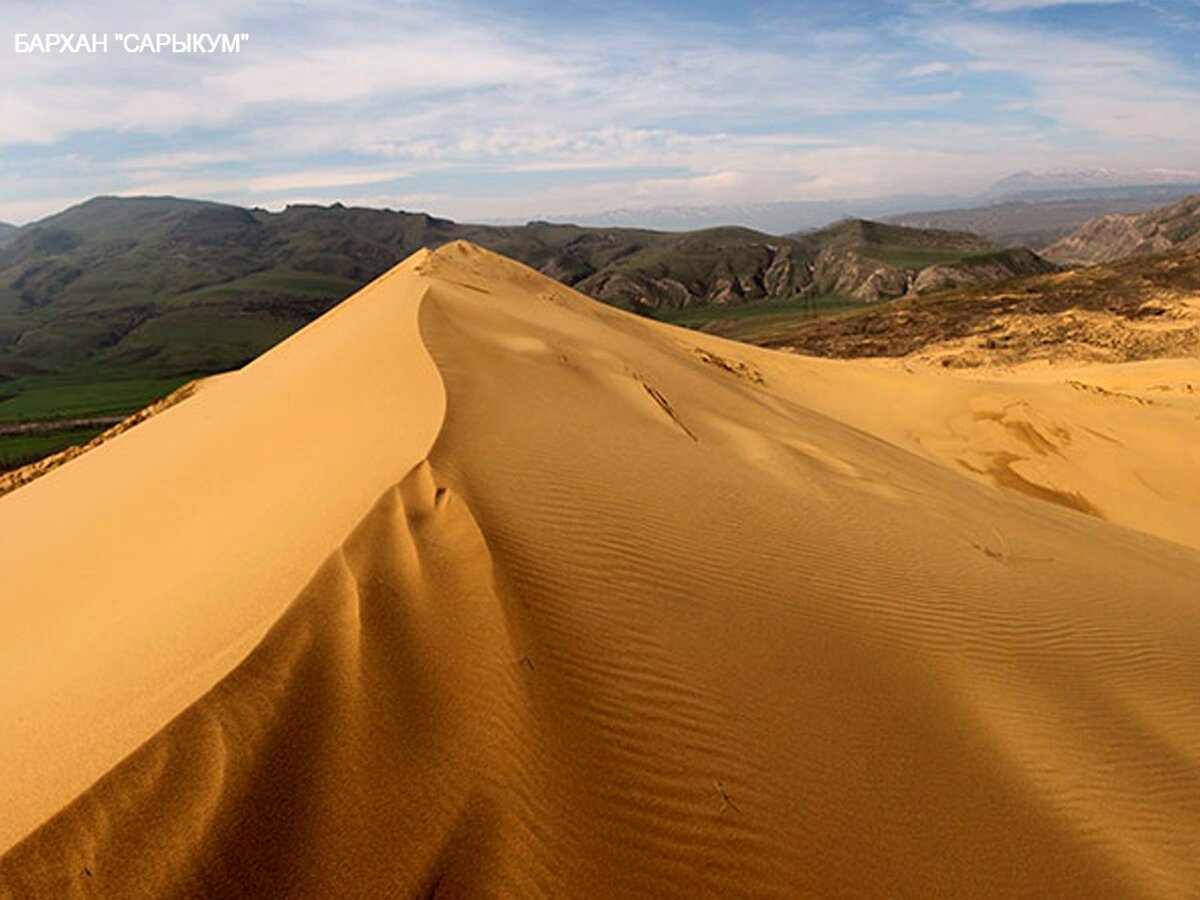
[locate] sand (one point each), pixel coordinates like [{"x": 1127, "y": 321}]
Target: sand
[{"x": 478, "y": 588}]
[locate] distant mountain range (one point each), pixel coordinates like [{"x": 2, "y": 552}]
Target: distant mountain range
[
  {"x": 772, "y": 218},
  {"x": 1034, "y": 209},
  {"x": 1089, "y": 180},
  {"x": 1114, "y": 237},
  {"x": 151, "y": 287},
  {"x": 1038, "y": 223},
  {"x": 6, "y": 231}
]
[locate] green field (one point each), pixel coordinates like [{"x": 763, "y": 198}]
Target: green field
[
  {"x": 45, "y": 400},
  {"x": 760, "y": 320},
  {"x": 307, "y": 284},
  {"x": 20, "y": 449},
  {"x": 39, "y": 399}
]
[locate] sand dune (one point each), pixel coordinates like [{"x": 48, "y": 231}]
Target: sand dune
[{"x": 478, "y": 588}]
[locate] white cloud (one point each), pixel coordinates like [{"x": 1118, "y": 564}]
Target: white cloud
[
  {"x": 1001, "y": 6},
  {"x": 1125, "y": 92},
  {"x": 151, "y": 182},
  {"x": 330, "y": 102},
  {"x": 18, "y": 212},
  {"x": 930, "y": 68}
]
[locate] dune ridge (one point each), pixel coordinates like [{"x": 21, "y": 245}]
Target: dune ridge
[
  {"x": 632, "y": 612},
  {"x": 140, "y": 573}
]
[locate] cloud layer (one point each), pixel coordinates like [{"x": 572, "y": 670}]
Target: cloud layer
[{"x": 475, "y": 114}]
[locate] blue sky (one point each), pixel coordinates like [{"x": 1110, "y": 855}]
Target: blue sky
[{"x": 540, "y": 109}]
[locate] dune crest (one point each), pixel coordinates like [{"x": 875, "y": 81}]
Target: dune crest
[
  {"x": 569, "y": 603},
  {"x": 140, "y": 573}
]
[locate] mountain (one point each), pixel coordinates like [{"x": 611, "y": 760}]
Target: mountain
[
  {"x": 1084, "y": 183},
  {"x": 1035, "y": 210},
  {"x": 1118, "y": 236},
  {"x": 857, "y": 259},
  {"x": 874, "y": 260},
  {"x": 156, "y": 287},
  {"x": 7, "y": 232},
  {"x": 776, "y": 218},
  {"x": 1031, "y": 223},
  {"x": 1042, "y": 206},
  {"x": 476, "y": 588},
  {"x": 1138, "y": 309}
]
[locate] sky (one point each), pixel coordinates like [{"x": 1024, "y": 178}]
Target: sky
[{"x": 536, "y": 109}]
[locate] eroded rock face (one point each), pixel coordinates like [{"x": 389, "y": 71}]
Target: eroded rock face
[
  {"x": 638, "y": 291},
  {"x": 850, "y": 274},
  {"x": 779, "y": 279},
  {"x": 1106, "y": 238},
  {"x": 1142, "y": 308},
  {"x": 1110, "y": 238},
  {"x": 932, "y": 279},
  {"x": 780, "y": 271},
  {"x": 882, "y": 283}
]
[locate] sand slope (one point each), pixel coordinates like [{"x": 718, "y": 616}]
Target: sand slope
[
  {"x": 140, "y": 573},
  {"x": 478, "y": 588}
]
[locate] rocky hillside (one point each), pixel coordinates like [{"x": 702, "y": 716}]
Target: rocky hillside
[
  {"x": 1109, "y": 238},
  {"x": 854, "y": 259},
  {"x": 1139, "y": 308}
]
